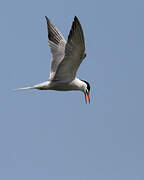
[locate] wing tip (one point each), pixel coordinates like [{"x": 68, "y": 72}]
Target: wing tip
[
  {"x": 73, "y": 27},
  {"x": 76, "y": 19},
  {"x": 47, "y": 19}
]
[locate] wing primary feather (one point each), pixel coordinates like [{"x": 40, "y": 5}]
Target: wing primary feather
[
  {"x": 57, "y": 45},
  {"x": 74, "y": 53},
  {"x": 53, "y": 34}
]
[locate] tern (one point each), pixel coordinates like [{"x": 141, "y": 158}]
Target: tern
[{"x": 66, "y": 59}]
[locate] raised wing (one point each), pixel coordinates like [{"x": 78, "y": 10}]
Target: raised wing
[
  {"x": 57, "y": 45},
  {"x": 74, "y": 53}
]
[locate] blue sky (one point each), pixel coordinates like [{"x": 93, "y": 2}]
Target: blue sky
[{"x": 55, "y": 135}]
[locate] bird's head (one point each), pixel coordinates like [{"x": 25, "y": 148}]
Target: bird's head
[{"x": 86, "y": 91}]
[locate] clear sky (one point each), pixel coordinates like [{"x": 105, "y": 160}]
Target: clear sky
[{"x": 55, "y": 135}]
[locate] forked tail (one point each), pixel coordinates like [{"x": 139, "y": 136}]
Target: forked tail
[
  {"x": 25, "y": 88},
  {"x": 40, "y": 86}
]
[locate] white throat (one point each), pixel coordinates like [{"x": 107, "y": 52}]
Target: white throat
[{"x": 79, "y": 84}]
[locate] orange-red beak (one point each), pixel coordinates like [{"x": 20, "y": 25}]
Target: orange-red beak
[{"x": 87, "y": 95}]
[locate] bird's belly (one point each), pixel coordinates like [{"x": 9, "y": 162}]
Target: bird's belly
[{"x": 62, "y": 87}]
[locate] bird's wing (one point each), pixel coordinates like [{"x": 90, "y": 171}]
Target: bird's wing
[
  {"x": 74, "y": 53},
  {"x": 57, "y": 45}
]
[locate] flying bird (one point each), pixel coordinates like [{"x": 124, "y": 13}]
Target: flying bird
[{"x": 66, "y": 59}]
